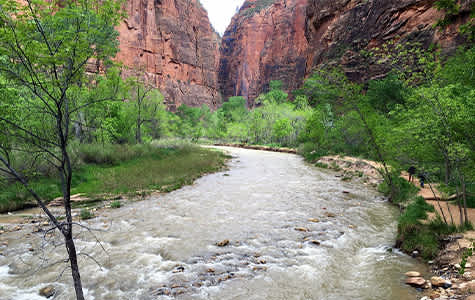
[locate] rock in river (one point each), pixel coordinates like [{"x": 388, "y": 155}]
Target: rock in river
[
  {"x": 416, "y": 281},
  {"x": 413, "y": 274},
  {"x": 47, "y": 291},
  {"x": 223, "y": 243}
]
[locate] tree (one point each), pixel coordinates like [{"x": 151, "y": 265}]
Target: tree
[
  {"x": 147, "y": 103},
  {"x": 44, "y": 49}
]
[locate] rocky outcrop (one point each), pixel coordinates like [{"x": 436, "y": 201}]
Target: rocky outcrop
[
  {"x": 173, "y": 44},
  {"x": 286, "y": 39},
  {"x": 338, "y": 30},
  {"x": 265, "y": 41}
]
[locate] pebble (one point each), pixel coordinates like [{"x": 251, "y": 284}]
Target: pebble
[
  {"x": 315, "y": 242},
  {"x": 314, "y": 220},
  {"x": 303, "y": 229}
]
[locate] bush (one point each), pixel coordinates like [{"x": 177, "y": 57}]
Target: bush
[
  {"x": 86, "y": 214},
  {"x": 423, "y": 237},
  {"x": 403, "y": 189},
  {"x": 115, "y": 204}
]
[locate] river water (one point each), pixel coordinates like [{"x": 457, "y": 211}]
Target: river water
[{"x": 165, "y": 247}]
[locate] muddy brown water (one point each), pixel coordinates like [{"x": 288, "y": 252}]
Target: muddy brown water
[{"x": 164, "y": 247}]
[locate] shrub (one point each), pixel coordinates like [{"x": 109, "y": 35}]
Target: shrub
[
  {"x": 403, "y": 189},
  {"x": 115, "y": 204},
  {"x": 86, "y": 214}
]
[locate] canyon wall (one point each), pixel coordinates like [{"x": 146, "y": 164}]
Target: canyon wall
[
  {"x": 286, "y": 39},
  {"x": 265, "y": 41},
  {"x": 172, "y": 44},
  {"x": 338, "y": 30}
]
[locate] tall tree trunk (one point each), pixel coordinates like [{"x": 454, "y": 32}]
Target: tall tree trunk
[
  {"x": 459, "y": 203},
  {"x": 464, "y": 195},
  {"x": 74, "y": 264},
  {"x": 447, "y": 169}
]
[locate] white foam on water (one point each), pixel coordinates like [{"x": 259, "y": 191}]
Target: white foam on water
[{"x": 4, "y": 271}]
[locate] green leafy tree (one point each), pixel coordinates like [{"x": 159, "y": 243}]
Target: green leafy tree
[
  {"x": 44, "y": 49},
  {"x": 146, "y": 106}
]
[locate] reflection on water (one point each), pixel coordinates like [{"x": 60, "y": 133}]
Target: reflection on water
[{"x": 165, "y": 247}]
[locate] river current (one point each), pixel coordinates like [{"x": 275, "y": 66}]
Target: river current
[{"x": 294, "y": 232}]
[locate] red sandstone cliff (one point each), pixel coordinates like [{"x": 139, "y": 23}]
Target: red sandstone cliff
[
  {"x": 174, "y": 43},
  {"x": 265, "y": 41},
  {"x": 285, "y": 39}
]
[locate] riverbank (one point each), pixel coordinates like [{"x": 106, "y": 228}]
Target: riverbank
[
  {"x": 258, "y": 147},
  {"x": 105, "y": 175},
  {"x": 451, "y": 260}
]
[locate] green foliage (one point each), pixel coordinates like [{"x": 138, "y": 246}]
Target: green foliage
[
  {"x": 413, "y": 235},
  {"x": 452, "y": 10},
  {"x": 403, "y": 190},
  {"x": 258, "y": 5},
  {"x": 386, "y": 94},
  {"x": 86, "y": 214},
  {"x": 466, "y": 254},
  {"x": 115, "y": 204}
]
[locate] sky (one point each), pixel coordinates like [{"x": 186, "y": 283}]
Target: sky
[{"x": 220, "y": 12}]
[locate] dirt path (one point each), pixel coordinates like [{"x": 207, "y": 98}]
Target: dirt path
[{"x": 428, "y": 195}]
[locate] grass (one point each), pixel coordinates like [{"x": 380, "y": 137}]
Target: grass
[
  {"x": 122, "y": 169},
  {"x": 115, "y": 204},
  {"x": 165, "y": 170}
]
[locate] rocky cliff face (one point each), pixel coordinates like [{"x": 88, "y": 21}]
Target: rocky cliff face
[
  {"x": 173, "y": 43},
  {"x": 265, "y": 41},
  {"x": 338, "y": 30},
  {"x": 286, "y": 39}
]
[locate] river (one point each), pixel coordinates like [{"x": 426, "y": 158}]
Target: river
[{"x": 165, "y": 247}]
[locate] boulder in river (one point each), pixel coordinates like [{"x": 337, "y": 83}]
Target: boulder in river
[
  {"x": 416, "y": 281},
  {"x": 223, "y": 243},
  {"x": 303, "y": 229},
  {"x": 47, "y": 291}
]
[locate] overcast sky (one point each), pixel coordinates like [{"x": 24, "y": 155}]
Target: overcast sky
[{"x": 220, "y": 12}]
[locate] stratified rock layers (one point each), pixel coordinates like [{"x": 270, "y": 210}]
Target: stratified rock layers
[
  {"x": 338, "y": 30},
  {"x": 262, "y": 45},
  {"x": 172, "y": 44},
  {"x": 286, "y": 39}
]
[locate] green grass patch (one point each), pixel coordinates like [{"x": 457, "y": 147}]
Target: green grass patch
[
  {"x": 15, "y": 196},
  {"x": 166, "y": 170},
  {"x": 121, "y": 169},
  {"x": 422, "y": 236}
]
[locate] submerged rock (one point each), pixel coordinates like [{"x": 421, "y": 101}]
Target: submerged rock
[
  {"x": 47, "y": 291},
  {"x": 223, "y": 243}
]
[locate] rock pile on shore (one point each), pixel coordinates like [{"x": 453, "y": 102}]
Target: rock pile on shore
[{"x": 455, "y": 278}]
